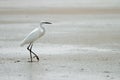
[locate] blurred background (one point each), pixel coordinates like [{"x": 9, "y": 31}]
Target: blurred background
[
  {"x": 87, "y": 22},
  {"x": 82, "y": 43}
]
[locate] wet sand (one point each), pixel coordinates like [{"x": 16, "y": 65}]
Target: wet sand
[
  {"x": 83, "y": 43},
  {"x": 66, "y": 53},
  {"x": 59, "y": 62},
  {"x": 74, "y": 11}
]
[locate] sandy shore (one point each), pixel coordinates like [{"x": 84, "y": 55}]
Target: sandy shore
[
  {"x": 83, "y": 43},
  {"x": 75, "y": 47},
  {"x": 73, "y": 11},
  {"x": 59, "y": 62}
]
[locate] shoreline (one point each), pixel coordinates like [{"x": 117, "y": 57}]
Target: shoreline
[
  {"x": 93, "y": 65},
  {"x": 74, "y": 11}
]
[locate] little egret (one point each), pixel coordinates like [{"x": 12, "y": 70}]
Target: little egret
[{"x": 33, "y": 36}]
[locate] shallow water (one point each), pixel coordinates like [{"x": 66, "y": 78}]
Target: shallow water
[
  {"x": 83, "y": 45},
  {"x": 90, "y": 30}
]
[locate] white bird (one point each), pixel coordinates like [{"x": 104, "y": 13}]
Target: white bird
[{"x": 33, "y": 36}]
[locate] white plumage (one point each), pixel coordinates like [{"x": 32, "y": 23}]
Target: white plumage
[{"x": 33, "y": 36}]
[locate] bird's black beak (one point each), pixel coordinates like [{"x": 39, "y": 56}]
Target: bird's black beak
[
  {"x": 45, "y": 23},
  {"x": 48, "y": 22}
]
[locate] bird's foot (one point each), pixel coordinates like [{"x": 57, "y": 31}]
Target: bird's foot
[{"x": 36, "y": 57}]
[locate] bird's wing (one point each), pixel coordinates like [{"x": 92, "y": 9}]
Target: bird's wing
[{"x": 31, "y": 37}]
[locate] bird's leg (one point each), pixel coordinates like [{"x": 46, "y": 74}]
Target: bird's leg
[
  {"x": 34, "y": 53},
  {"x": 29, "y": 48}
]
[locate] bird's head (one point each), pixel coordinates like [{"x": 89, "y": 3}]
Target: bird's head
[{"x": 45, "y": 23}]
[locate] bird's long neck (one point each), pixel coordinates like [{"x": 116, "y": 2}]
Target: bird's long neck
[{"x": 41, "y": 26}]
